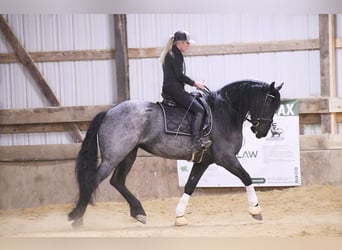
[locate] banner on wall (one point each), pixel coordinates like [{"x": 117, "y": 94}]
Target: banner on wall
[{"x": 270, "y": 161}]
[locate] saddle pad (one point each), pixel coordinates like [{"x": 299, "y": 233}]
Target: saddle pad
[{"x": 176, "y": 120}]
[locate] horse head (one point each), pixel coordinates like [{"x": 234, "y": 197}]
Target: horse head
[{"x": 265, "y": 104}]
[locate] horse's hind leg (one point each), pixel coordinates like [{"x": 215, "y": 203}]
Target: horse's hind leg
[
  {"x": 118, "y": 181},
  {"x": 103, "y": 171}
]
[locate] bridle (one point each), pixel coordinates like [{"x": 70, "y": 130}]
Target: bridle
[{"x": 256, "y": 122}]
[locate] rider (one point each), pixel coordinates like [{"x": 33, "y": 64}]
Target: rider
[{"x": 174, "y": 81}]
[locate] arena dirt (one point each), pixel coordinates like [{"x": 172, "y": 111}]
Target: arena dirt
[{"x": 300, "y": 211}]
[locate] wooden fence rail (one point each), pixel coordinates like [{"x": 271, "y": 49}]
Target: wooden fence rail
[
  {"x": 53, "y": 119},
  {"x": 196, "y": 50},
  {"x": 62, "y": 152}
]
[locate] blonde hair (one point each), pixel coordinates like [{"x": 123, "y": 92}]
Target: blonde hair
[{"x": 166, "y": 50}]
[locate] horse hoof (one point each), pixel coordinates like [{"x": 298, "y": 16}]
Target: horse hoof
[
  {"x": 141, "y": 218},
  {"x": 255, "y": 210},
  {"x": 257, "y": 216},
  {"x": 181, "y": 221},
  {"x": 77, "y": 223}
]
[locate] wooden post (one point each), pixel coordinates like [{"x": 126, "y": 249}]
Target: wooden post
[
  {"x": 32, "y": 68},
  {"x": 327, "y": 44},
  {"x": 121, "y": 57}
]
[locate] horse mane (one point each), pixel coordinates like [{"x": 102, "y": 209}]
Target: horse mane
[{"x": 234, "y": 99}]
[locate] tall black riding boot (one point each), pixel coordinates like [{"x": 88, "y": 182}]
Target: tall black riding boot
[{"x": 197, "y": 141}]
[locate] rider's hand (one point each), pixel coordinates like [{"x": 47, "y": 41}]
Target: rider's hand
[{"x": 199, "y": 85}]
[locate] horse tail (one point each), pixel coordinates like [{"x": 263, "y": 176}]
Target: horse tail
[{"x": 86, "y": 167}]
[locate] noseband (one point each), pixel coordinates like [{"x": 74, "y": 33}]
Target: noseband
[{"x": 256, "y": 122}]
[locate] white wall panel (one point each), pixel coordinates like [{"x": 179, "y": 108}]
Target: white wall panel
[
  {"x": 145, "y": 79},
  {"x": 299, "y": 70},
  {"x": 153, "y": 30}
]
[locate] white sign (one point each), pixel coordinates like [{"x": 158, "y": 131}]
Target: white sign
[{"x": 270, "y": 161}]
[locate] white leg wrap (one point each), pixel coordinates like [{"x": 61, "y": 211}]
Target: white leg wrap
[
  {"x": 251, "y": 196},
  {"x": 183, "y": 202},
  {"x": 254, "y": 207}
]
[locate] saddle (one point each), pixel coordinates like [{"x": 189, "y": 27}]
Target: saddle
[{"x": 177, "y": 120}]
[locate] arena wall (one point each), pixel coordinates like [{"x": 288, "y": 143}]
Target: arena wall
[
  {"x": 27, "y": 181},
  {"x": 76, "y": 58}
]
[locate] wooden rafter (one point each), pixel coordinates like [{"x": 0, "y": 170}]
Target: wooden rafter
[{"x": 32, "y": 68}]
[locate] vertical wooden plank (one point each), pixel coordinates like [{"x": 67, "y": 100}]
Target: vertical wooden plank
[
  {"x": 32, "y": 68},
  {"x": 327, "y": 45},
  {"x": 121, "y": 57}
]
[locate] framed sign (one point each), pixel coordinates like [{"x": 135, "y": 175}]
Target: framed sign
[{"x": 270, "y": 161}]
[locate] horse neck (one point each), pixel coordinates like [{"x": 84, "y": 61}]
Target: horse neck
[{"x": 240, "y": 100}]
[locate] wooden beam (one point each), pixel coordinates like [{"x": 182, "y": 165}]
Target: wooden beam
[
  {"x": 328, "y": 67},
  {"x": 233, "y": 48},
  {"x": 320, "y": 105},
  {"x": 195, "y": 50},
  {"x": 39, "y": 128},
  {"x": 61, "y": 56},
  {"x": 78, "y": 114},
  {"x": 121, "y": 57},
  {"x": 335, "y": 104},
  {"x": 261, "y": 47},
  {"x": 320, "y": 142},
  {"x": 313, "y": 105},
  {"x": 43, "y": 85},
  {"x": 46, "y": 152},
  {"x": 50, "y": 114},
  {"x": 304, "y": 119},
  {"x": 86, "y": 113},
  {"x": 53, "y": 152},
  {"x": 39, "y": 152},
  {"x": 339, "y": 117}
]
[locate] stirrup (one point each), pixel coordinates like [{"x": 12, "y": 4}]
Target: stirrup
[
  {"x": 200, "y": 146},
  {"x": 198, "y": 152},
  {"x": 206, "y": 144}
]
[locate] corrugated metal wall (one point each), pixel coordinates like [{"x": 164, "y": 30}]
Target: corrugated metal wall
[
  {"x": 299, "y": 70},
  {"x": 74, "y": 83},
  {"x": 91, "y": 82}
]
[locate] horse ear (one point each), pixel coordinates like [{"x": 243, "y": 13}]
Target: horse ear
[
  {"x": 280, "y": 86},
  {"x": 272, "y": 85}
]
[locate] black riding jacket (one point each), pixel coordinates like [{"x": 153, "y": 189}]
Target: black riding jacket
[{"x": 174, "y": 71}]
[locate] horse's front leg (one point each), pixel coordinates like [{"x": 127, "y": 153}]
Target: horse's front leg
[
  {"x": 231, "y": 164},
  {"x": 254, "y": 208},
  {"x": 195, "y": 175}
]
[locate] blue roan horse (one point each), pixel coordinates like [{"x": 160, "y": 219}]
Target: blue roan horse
[{"x": 130, "y": 125}]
